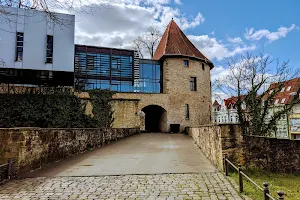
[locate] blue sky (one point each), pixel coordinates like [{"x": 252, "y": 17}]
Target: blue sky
[{"x": 232, "y": 18}]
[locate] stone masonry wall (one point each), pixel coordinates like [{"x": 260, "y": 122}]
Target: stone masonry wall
[
  {"x": 177, "y": 87},
  {"x": 32, "y": 148},
  {"x": 208, "y": 139},
  {"x": 272, "y": 154},
  {"x": 253, "y": 152},
  {"x": 125, "y": 113}
]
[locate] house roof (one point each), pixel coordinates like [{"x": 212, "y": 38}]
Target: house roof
[
  {"x": 175, "y": 43},
  {"x": 232, "y": 101},
  {"x": 216, "y": 104},
  {"x": 290, "y": 88}
]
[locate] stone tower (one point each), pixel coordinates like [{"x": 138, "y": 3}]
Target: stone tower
[
  {"x": 182, "y": 61},
  {"x": 185, "y": 99}
]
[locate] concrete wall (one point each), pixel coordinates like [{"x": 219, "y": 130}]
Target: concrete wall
[
  {"x": 271, "y": 154},
  {"x": 32, "y": 148},
  {"x": 36, "y": 26}
]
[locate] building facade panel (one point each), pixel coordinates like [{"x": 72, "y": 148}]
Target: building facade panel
[{"x": 35, "y": 26}]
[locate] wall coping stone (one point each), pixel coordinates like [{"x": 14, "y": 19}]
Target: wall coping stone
[
  {"x": 38, "y": 128},
  {"x": 121, "y": 99},
  {"x": 207, "y": 125}
]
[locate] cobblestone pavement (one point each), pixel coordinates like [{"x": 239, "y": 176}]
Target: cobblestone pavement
[{"x": 165, "y": 186}]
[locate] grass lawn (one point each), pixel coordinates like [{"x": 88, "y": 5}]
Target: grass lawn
[{"x": 288, "y": 183}]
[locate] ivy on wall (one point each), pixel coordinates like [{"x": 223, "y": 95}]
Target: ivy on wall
[
  {"x": 102, "y": 110},
  {"x": 54, "y": 109}
]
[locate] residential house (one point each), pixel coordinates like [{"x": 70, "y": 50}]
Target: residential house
[
  {"x": 287, "y": 125},
  {"x": 226, "y": 112}
]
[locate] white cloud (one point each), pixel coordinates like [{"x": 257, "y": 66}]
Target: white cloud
[
  {"x": 281, "y": 32},
  {"x": 118, "y": 24},
  {"x": 236, "y": 40},
  {"x": 212, "y": 48},
  {"x": 178, "y": 1},
  {"x": 217, "y": 72}
]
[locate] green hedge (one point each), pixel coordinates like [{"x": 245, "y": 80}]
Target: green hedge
[{"x": 58, "y": 109}]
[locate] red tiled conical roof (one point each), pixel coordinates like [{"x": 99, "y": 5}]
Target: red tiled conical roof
[{"x": 175, "y": 43}]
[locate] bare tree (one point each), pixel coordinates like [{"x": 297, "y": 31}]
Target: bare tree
[
  {"x": 2, "y": 63},
  {"x": 48, "y": 7},
  {"x": 148, "y": 42},
  {"x": 248, "y": 79}
]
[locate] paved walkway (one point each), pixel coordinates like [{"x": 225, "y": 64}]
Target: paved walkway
[
  {"x": 140, "y": 154},
  {"x": 175, "y": 169}
]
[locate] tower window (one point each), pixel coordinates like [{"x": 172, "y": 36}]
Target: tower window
[
  {"x": 49, "y": 58},
  {"x": 203, "y": 67},
  {"x": 193, "y": 84},
  {"x": 187, "y": 111},
  {"x": 186, "y": 63},
  {"x": 19, "y": 47}
]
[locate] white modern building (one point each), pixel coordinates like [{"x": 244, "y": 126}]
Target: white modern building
[{"x": 33, "y": 45}]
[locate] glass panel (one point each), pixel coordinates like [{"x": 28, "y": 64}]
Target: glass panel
[
  {"x": 20, "y": 44},
  {"x": 187, "y": 111},
  {"x": 157, "y": 72},
  {"x": 105, "y": 85},
  {"x": 20, "y": 56},
  {"x": 114, "y": 72},
  {"x": 157, "y": 88},
  {"x": 90, "y": 86},
  {"x": 114, "y": 87},
  {"x": 126, "y": 86},
  {"x": 48, "y": 60},
  {"x": 148, "y": 71}
]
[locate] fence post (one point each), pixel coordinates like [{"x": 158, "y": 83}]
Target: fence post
[
  {"x": 225, "y": 165},
  {"x": 9, "y": 168},
  {"x": 280, "y": 194},
  {"x": 266, "y": 191},
  {"x": 240, "y": 179}
]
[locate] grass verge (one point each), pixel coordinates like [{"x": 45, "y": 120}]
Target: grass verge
[{"x": 289, "y": 183}]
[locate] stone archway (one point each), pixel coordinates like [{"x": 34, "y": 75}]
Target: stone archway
[{"x": 155, "y": 118}]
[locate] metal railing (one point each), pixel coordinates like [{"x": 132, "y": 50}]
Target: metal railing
[
  {"x": 5, "y": 171},
  {"x": 241, "y": 174}
]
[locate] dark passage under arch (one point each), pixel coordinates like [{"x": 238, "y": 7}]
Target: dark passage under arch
[{"x": 155, "y": 118}]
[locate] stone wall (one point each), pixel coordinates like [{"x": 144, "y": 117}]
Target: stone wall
[
  {"x": 32, "y": 148},
  {"x": 253, "y": 152},
  {"x": 208, "y": 138},
  {"x": 125, "y": 113},
  {"x": 272, "y": 154}
]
